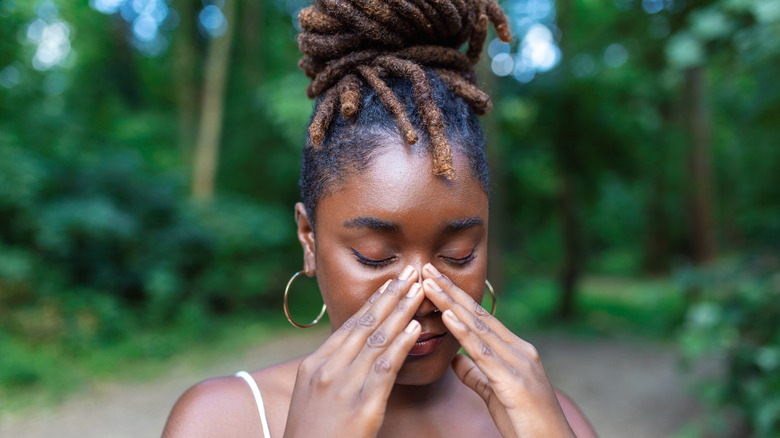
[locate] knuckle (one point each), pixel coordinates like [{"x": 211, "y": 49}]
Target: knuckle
[
  {"x": 350, "y": 323},
  {"x": 480, "y": 325},
  {"x": 322, "y": 377},
  {"x": 486, "y": 350},
  {"x": 377, "y": 340},
  {"x": 482, "y": 387},
  {"x": 479, "y": 310},
  {"x": 367, "y": 320},
  {"x": 306, "y": 367},
  {"x": 382, "y": 365},
  {"x": 532, "y": 354}
]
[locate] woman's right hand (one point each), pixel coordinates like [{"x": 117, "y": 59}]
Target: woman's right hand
[{"x": 342, "y": 388}]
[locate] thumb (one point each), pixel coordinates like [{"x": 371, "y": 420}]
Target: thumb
[{"x": 470, "y": 374}]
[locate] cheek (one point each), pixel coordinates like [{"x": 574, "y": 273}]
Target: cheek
[
  {"x": 475, "y": 287},
  {"x": 344, "y": 286},
  {"x": 471, "y": 281}
]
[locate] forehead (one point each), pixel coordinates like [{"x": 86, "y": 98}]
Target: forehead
[{"x": 399, "y": 185}]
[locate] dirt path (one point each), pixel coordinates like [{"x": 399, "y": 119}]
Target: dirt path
[{"x": 625, "y": 389}]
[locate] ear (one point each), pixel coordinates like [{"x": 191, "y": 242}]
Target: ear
[{"x": 306, "y": 237}]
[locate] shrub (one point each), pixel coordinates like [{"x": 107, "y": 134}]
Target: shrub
[
  {"x": 91, "y": 247},
  {"x": 734, "y": 323}
]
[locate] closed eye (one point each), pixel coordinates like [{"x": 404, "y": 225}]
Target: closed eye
[
  {"x": 461, "y": 261},
  {"x": 372, "y": 262}
]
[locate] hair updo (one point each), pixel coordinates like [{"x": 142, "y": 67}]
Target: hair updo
[{"x": 382, "y": 69}]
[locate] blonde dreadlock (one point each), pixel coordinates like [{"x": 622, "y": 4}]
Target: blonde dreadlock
[{"x": 350, "y": 42}]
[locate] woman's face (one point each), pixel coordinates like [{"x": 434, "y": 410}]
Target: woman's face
[{"x": 393, "y": 214}]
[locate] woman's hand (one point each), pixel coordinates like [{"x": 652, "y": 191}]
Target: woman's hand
[
  {"x": 342, "y": 388},
  {"x": 505, "y": 371}
]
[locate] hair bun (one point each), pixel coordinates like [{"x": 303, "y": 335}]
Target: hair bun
[{"x": 349, "y": 42}]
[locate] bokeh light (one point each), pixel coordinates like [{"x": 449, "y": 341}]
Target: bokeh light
[
  {"x": 615, "y": 55},
  {"x": 149, "y": 22},
  {"x": 10, "y": 76},
  {"x": 535, "y": 49},
  {"x": 51, "y": 36},
  {"x": 213, "y": 21}
]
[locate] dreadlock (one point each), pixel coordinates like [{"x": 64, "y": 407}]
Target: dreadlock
[{"x": 349, "y": 44}]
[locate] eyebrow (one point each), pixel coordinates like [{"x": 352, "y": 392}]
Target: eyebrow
[
  {"x": 463, "y": 224},
  {"x": 376, "y": 224},
  {"x": 373, "y": 224}
]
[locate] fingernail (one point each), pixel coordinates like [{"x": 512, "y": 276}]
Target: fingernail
[
  {"x": 451, "y": 315},
  {"x": 431, "y": 271},
  {"x": 430, "y": 284},
  {"x": 412, "y": 326},
  {"x": 413, "y": 291},
  {"x": 384, "y": 286},
  {"x": 407, "y": 273}
]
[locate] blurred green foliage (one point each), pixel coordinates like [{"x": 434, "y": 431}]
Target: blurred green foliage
[
  {"x": 731, "y": 333},
  {"x": 93, "y": 252},
  {"x": 105, "y": 258}
]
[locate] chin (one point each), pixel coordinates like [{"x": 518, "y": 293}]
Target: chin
[{"x": 427, "y": 369}]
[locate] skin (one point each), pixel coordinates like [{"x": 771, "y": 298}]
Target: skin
[{"x": 397, "y": 252}]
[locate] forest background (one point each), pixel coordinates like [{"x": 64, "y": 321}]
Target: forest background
[{"x": 149, "y": 157}]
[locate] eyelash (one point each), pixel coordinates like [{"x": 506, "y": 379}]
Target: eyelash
[
  {"x": 384, "y": 262},
  {"x": 371, "y": 262},
  {"x": 462, "y": 261}
]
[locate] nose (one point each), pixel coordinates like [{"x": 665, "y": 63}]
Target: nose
[{"x": 426, "y": 308}]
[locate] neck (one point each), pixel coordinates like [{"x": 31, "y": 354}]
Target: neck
[{"x": 418, "y": 396}]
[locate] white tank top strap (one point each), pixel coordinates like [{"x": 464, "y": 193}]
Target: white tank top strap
[{"x": 258, "y": 399}]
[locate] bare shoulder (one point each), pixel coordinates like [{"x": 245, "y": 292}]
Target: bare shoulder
[
  {"x": 575, "y": 417},
  {"x": 216, "y": 407},
  {"x": 225, "y": 406}
]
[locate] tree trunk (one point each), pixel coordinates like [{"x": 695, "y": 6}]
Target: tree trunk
[
  {"x": 700, "y": 177},
  {"x": 571, "y": 231},
  {"x": 185, "y": 66},
  {"x": 571, "y": 225},
  {"x": 656, "y": 255},
  {"x": 252, "y": 42},
  {"x": 214, "y": 83}
]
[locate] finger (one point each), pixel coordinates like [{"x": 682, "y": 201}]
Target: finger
[
  {"x": 471, "y": 376},
  {"x": 490, "y": 360},
  {"x": 368, "y": 321},
  {"x": 337, "y": 338},
  {"x": 384, "y": 335},
  {"x": 457, "y": 295},
  {"x": 384, "y": 369},
  {"x": 474, "y": 323}
]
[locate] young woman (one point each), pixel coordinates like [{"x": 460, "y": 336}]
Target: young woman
[{"x": 394, "y": 225}]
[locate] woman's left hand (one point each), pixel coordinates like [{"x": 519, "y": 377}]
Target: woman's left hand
[{"x": 504, "y": 370}]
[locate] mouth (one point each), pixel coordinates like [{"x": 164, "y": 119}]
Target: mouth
[{"x": 427, "y": 343}]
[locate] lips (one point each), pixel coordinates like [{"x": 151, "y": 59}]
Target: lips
[{"x": 427, "y": 343}]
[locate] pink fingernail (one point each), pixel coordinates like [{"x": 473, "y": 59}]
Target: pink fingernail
[
  {"x": 412, "y": 326},
  {"x": 407, "y": 273},
  {"x": 430, "y": 284},
  {"x": 431, "y": 271},
  {"x": 413, "y": 291},
  {"x": 451, "y": 315},
  {"x": 384, "y": 287}
]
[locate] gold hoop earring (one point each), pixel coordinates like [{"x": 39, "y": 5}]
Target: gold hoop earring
[
  {"x": 492, "y": 295},
  {"x": 287, "y": 310}
]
